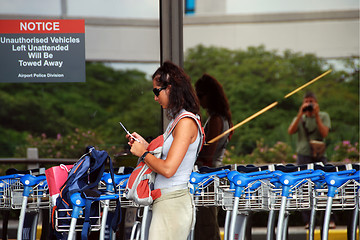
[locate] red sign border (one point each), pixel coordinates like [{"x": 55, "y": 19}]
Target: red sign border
[{"x": 65, "y": 26}]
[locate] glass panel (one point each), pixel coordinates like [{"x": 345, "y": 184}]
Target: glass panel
[{"x": 60, "y": 119}]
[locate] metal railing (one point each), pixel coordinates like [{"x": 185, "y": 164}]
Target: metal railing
[{"x": 33, "y": 161}]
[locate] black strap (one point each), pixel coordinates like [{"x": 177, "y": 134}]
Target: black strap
[{"x": 117, "y": 216}]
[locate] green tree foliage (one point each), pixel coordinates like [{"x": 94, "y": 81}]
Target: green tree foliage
[
  {"x": 254, "y": 78},
  {"x": 50, "y": 109}
]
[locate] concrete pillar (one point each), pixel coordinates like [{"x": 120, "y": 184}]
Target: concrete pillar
[
  {"x": 171, "y": 36},
  {"x": 32, "y": 154}
]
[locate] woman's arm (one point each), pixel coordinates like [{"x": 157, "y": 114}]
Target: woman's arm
[{"x": 184, "y": 134}]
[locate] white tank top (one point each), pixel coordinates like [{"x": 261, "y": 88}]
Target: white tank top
[{"x": 182, "y": 174}]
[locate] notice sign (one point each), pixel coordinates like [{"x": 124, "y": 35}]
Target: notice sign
[{"x": 42, "y": 51}]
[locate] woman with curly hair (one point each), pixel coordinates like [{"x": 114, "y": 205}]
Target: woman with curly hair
[
  {"x": 172, "y": 212},
  {"x": 212, "y": 97}
]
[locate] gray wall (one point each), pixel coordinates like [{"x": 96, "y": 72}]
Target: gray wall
[{"x": 332, "y": 34}]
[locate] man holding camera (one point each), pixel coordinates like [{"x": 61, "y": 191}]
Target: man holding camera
[{"x": 312, "y": 126}]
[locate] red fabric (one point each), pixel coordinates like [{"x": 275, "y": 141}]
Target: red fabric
[
  {"x": 134, "y": 174},
  {"x": 156, "y": 193},
  {"x": 143, "y": 189},
  {"x": 157, "y": 142},
  {"x": 56, "y": 177}
]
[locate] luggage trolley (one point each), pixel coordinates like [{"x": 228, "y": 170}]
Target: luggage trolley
[
  {"x": 296, "y": 170},
  {"x": 110, "y": 205},
  {"x": 256, "y": 199},
  {"x": 342, "y": 193},
  {"x": 76, "y": 213},
  {"x": 295, "y": 194},
  {"x": 275, "y": 193},
  {"x": 139, "y": 229},
  {"x": 31, "y": 195},
  {"x": 205, "y": 188},
  {"x": 247, "y": 193},
  {"x": 319, "y": 197},
  {"x": 72, "y": 220},
  {"x": 7, "y": 182}
]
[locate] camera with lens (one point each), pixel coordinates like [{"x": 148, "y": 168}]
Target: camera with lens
[{"x": 308, "y": 108}]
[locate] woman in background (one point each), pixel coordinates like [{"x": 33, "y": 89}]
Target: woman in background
[{"x": 212, "y": 98}]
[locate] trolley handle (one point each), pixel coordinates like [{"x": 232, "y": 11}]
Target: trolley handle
[
  {"x": 291, "y": 179},
  {"x": 206, "y": 169},
  {"x": 233, "y": 174},
  {"x": 276, "y": 180},
  {"x": 30, "y": 180},
  {"x": 288, "y": 168},
  {"x": 288, "y": 181},
  {"x": 251, "y": 168},
  {"x": 345, "y": 172},
  {"x": 12, "y": 176},
  {"x": 196, "y": 177},
  {"x": 119, "y": 180},
  {"x": 242, "y": 180},
  {"x": 335, "y": 168},
  {"x": 274, "y": 177},
  {"x": 336, "y": 180},
  {"x": 328, "y": 174}
]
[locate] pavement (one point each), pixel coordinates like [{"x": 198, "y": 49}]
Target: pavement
[
  {"x": 300, "y": 233},
  {"x": 258, "y": 233}
]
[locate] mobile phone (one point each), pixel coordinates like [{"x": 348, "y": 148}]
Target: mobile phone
[{"x": 129, "y": 133}]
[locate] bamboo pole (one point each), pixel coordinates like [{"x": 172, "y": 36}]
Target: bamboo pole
[{"x": 267, "y": 108}]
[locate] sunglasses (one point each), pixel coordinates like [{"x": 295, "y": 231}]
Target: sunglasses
[{"x": 157, "y": 91}]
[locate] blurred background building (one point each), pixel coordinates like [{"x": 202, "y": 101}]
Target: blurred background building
[{"x": 126, "y": 33}]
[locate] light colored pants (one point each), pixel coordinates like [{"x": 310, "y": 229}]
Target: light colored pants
[{"x": 172, "y": 216}]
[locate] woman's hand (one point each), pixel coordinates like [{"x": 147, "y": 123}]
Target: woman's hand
[{"x": 137, "y": 148}]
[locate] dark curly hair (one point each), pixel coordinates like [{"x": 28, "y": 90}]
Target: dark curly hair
[
  {"x": 182, "y": 94},
  {"x": 217, "y": 101}
]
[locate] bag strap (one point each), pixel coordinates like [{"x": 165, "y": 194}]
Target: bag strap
[
  {"x": 86, "y": 224},
  {"x": 117, "y": 217},
  {"x": 198, "y": 122}
]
